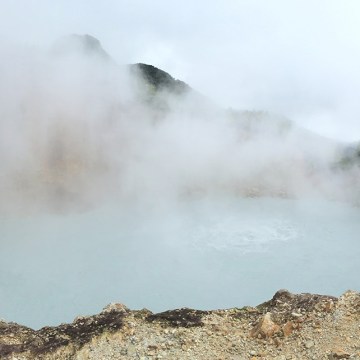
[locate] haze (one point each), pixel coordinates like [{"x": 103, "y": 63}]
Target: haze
[{"x": 296, "y": 58}]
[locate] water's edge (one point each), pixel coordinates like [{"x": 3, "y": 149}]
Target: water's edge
[{"x": 284, "y": 317}]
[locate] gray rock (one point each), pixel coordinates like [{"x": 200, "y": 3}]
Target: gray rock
[{"x": 309, "y": 344}]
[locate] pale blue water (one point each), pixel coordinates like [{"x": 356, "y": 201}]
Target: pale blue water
[{"x": 203, "y": 254}]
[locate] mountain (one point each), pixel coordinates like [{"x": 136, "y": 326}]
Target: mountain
[
  {"x": 79, "y": 44},
  {"x": 158, "y": 90},
  {"x": 160, "y": 80},
  {"x": 156, "y": 79},
  {"x": 350, "y": 156},
  {"x": 249, "y": 152}
]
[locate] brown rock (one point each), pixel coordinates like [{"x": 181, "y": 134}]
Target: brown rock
[
  {"x": 329, "y": 306},
  {"x": 339, "y": 354},
  {"x": 265, "y": 328},
  {"x": 288, "y": 328}
]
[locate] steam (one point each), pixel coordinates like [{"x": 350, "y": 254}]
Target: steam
[{"x": 76, "y": 130}]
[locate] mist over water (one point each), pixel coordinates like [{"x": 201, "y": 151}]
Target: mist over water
[{"x": 111, "y": 190}]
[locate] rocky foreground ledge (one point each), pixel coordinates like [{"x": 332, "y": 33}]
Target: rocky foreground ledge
[{"x": 303, "y": 326}]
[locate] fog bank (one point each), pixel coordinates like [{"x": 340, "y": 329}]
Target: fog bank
[{"x": 77, "y": 129}]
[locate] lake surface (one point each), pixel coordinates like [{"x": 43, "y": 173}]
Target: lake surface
[{"x": 205, "y": 254}]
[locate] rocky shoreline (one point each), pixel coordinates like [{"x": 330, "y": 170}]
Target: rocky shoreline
[{"x": 289, "y": 326}]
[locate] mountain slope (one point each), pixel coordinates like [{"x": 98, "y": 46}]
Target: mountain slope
[
  {"x": 160, "y": 80},
  {"x": 80, "y": 44}
]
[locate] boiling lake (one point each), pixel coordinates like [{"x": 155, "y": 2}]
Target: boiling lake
[{"x": 205, "y": 254}]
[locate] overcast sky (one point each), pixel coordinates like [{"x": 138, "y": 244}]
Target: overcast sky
[{"x": 298, "y": 58}]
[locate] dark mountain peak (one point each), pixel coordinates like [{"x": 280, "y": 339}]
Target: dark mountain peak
[
  {"x": 80, "y": 44},
  {"x": 159, "y": 79},
  {"x": 89, "y": 46}
]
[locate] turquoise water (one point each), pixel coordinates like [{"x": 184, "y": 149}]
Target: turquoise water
[{"x": 212, "y": 253}]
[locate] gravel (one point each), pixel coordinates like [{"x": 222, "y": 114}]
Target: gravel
[{"x": 324, "y": 327}]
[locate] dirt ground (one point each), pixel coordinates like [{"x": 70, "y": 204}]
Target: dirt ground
[{"x": 289, "y": 326}]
